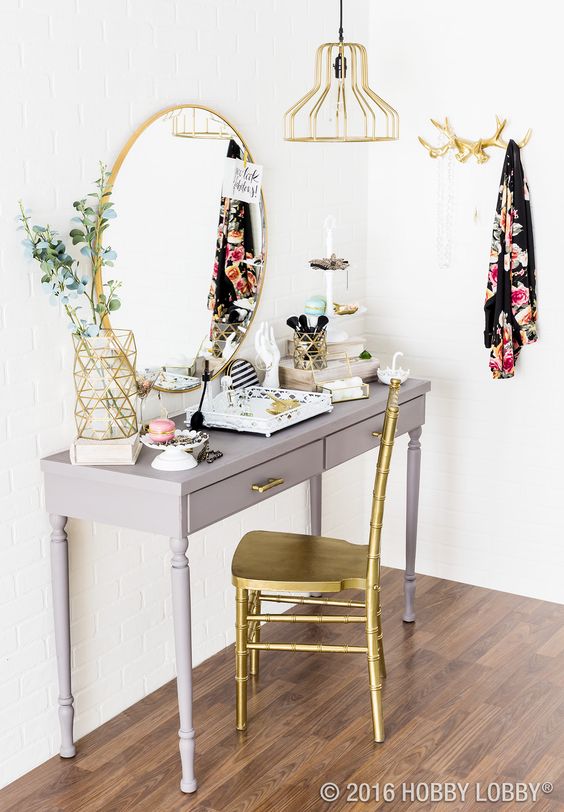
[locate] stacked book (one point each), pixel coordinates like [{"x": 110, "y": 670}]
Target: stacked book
[
  {"x": 342, "y": 362},
  {"x": 105, "y": 452}
]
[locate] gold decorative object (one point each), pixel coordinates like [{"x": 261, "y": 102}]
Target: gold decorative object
[
  {"x": 340, "y": 392},
  {"x": 344, "y": 309},
  {"x": 267, "y": 486},
  {"x": 341, "y": 106},
  {"x": 186, "y": 123},
  {"x": 310, "y": 350},
  {"x": 281, "y": 405},
  {"x": 290, "y": 562},
  {"x": 343, "y": 389},
  {"x": 104, "y": 379},
  {"x": 464, "y": 148}
]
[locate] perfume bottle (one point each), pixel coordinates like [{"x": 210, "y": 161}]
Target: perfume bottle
[
  {"x": 208, "y": 395},
  {"x": 228, "y": 391},
  {"x": 206, "y": 401}
]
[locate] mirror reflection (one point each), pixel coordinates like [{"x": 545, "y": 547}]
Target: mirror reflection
[{"x": 190, "y": 258}]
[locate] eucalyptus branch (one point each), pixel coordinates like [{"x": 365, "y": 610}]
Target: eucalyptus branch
[{"x": 60, "y": 272}]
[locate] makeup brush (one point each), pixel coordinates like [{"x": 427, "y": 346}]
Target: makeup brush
[
  {"x": 293, "y": 322},
  {"x": 322, "y": 322},
  {"x": 304, "y": 323}
]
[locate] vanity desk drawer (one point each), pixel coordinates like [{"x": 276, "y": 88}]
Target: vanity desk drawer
[
  {"x": 254, "y": 485},
  {"x": 357, "y": 439}
]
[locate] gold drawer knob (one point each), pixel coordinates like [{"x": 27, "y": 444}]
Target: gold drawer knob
[
  {"x": 377, "y": 434},
  {"x": 266, "y": 486}
]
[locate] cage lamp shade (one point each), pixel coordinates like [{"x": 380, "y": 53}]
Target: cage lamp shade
[{"x": 341, "y": 106}]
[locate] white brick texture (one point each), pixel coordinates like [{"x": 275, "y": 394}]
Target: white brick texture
[{"x": 77, "y": 78}]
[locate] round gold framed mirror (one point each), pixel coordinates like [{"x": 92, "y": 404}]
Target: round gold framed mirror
[{"x": 190, "y": 260}]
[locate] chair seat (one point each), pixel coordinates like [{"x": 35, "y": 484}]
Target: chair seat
[{"x": 291, "y": 561}]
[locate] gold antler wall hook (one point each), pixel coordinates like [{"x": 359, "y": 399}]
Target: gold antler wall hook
[{"x": 464, "y": 148}]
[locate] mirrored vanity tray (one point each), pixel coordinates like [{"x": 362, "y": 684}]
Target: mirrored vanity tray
[
  {"x": 251, "y": 409},
  {"x": 176, "y": 382}
]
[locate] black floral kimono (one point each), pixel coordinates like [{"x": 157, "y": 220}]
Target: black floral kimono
[
  {"x": 232, "y": 277},
  {"x": 511, "y": 302}
]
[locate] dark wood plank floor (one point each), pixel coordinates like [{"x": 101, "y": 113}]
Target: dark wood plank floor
[{"x": 475, "y": 692}]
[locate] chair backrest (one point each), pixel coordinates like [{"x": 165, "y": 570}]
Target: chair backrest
[{"x": 380, "y": 483}]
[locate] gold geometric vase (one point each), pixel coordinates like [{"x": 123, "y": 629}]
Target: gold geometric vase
[{"x": 104, "y": 379}]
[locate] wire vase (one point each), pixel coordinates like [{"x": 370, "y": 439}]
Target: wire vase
[{"x": 104, "y": 379}]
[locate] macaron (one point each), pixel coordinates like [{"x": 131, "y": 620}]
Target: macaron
[
  {"x": 315, "y": 306},
  {"x": 161, "y": 430}
]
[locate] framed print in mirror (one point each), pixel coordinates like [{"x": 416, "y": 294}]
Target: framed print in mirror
[{"x": 191, "y": 260}]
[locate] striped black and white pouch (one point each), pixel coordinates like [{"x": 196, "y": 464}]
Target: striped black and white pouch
[{"x": 242, "y": 373}]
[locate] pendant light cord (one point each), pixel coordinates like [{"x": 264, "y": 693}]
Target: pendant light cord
[{"x": 341, "y": 22}]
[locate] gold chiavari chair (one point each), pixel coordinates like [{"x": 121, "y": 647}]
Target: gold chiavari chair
[{"x": 299, "y": 563}]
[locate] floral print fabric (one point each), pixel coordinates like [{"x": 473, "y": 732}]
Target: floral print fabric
[
  {"x": 511, "y": 302},
  {"x": 232, "y": 278}
]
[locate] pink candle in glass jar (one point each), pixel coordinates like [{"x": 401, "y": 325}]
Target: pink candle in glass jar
[{"x": 161, "y": 430}]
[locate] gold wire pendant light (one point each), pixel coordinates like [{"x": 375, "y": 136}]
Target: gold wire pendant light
[{"x": 341, "y": 106}]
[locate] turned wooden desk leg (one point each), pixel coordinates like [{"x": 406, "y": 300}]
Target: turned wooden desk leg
[
  {"x": 61, "y": 611},
  {"x": 315, "y": 504},
  {"x": 180, "y": 576},
  {"x": 412, "y": 509}
]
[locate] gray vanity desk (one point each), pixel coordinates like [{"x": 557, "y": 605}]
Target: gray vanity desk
[{"x": 179, "y": 503}]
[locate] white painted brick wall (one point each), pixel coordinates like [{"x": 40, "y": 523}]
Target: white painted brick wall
[
  {"x": 77, "y": 78},
  {"x": 67, "y": 106}
]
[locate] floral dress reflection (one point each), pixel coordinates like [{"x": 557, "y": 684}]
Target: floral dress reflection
[{"x": 233, "y": 277}]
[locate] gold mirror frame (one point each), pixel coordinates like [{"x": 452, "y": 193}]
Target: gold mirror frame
[{"x": 114, "y": 174}]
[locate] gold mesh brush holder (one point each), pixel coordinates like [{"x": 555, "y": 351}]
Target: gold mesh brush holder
[
  {"x": 310, "y": 350},
  {"x": 221, "y": 332},
  {"x": 104, "y": 379}
]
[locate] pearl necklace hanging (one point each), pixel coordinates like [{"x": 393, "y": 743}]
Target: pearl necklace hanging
[{"x": 445, "y": 209}]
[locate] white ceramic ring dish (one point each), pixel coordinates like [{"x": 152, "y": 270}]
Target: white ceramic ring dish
[
  {"x": 177, "y": 456},
  {"x": 388, "y": 374}
]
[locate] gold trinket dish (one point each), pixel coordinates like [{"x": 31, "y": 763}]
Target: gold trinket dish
[
  {"x": 351, "y": 387},
  {"x": 345, "y": 309},
  {"x": 346, "y": 389}
]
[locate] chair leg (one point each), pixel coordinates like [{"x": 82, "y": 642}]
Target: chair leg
[
  {"x": 374, "y": 662},
  {"x": 375, "y": 680},
  {"x": 241, "y": 664},
  {"x": 381, "y": 642},
  {"x": 254, "y": 656}
]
